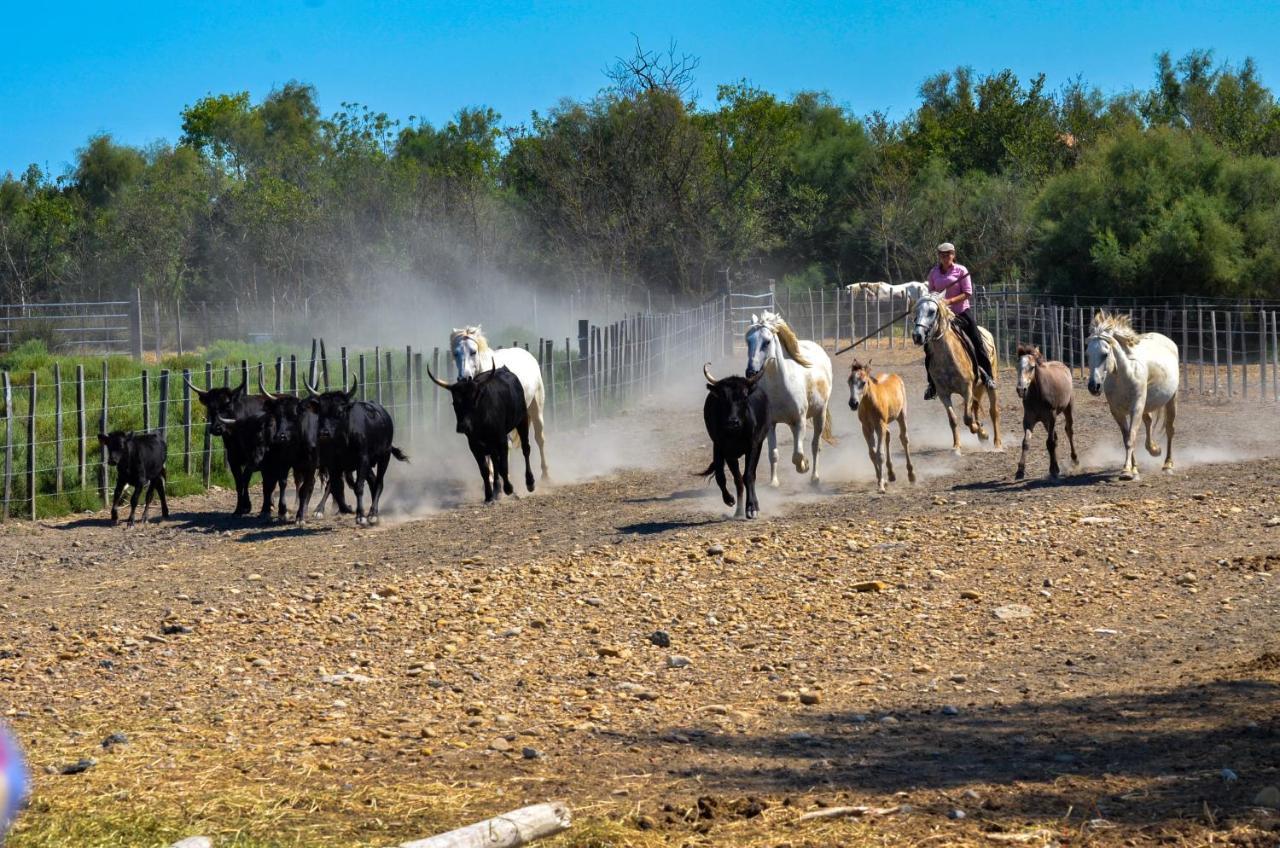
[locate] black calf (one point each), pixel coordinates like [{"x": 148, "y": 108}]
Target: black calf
[{"x": 139, "y": 462}]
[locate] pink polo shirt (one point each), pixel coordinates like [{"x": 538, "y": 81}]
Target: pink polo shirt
[{"x": 954, "y": 282}]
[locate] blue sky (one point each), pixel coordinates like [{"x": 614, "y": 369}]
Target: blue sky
[{"x": 72, "y": 69}]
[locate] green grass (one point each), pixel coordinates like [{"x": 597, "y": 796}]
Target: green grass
[{"x": 125, "y": 412}]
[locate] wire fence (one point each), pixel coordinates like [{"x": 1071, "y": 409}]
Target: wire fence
[
  {"x": 53, "y": 463},
  {"x": 1227, "y": 349}
]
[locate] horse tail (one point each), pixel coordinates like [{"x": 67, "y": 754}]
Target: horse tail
[
  {"x": 711, "y": 469},
  {"x": 827, "y": 435},
  {"x": 399, "y": 454}
]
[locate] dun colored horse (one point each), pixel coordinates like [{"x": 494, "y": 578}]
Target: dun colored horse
[
  {"x": 878, "y": 401},
  {"x": 1045, "y": 389},
  {"x": 952, "y": 369}
]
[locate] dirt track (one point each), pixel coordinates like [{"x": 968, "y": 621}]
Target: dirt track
[{"x": 1146, "y": 663}]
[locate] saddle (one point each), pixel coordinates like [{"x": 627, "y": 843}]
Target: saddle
[{"x": 967, "y": 344}]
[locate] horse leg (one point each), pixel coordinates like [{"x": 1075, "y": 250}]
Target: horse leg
[
  {"x": 535, "y": 418},
  {"x": 773, "y": 455},
  {"x": 888, "y": 454},
  {"x": 951, "y": 419},
  {"x": 1028, "y": 424},
  {"x": 749, "y": 478},
  {"x": 1068, "y": 424},
  {"x": 993, "y": 407},
  {"x": 906, "y": 445},
  {"x": 869, "y": 434},
  {"x": 819, "y": 423},
  {"x": 1170, "y": 413},
  {"x": 975, "y": 413},
  {"x": 1051, "y": 442},
  {"x": 1152, "y": 447},
  {"x": 798, "y": 458},
  {"x": 741, "y": 511}
]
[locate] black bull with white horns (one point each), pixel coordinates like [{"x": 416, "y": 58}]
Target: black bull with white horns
[
  {"x": 330, "y": 433},
  {"x": 488, "y": 407},
  {"x": 736, "y": 414}
]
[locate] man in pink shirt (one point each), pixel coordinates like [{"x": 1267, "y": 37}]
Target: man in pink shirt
[{"x": 952, "y": 278}]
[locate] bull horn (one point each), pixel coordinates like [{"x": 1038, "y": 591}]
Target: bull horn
[
  {"x": 263, "y": 388},
  {"x": 310, "y": 387},
  {"x": 706, "y": 372},
  {"x": 193, "y": 387},
  {"x": 231, "y": 421},
  {"x": 441, "y": 383},
  {"x": 755, "y": 378},
  {"x": 355, "y": 384},
  {"x": 488, "y": 375}
]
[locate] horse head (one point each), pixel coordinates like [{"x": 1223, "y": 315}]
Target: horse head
[
  {"x": 1101, "y": 360},
  {"x": 859, "y": 380},
  {"x": 928, "y": 319},
  {"x": 762, "y": 342},
  {"x": 1029, "y": 357},
  {"x": 467, "y": 343}
]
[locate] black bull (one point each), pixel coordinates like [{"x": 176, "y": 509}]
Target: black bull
[
  {"x": 488, "y": 407},
  {"x": 736, "y": 413}
]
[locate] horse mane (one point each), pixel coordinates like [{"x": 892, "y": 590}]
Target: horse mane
[
  {"x": 473, "y": 333},
  {"x": 1120, "y": 327},
  {"x": 1031, "y": 350},
  {"x": 787, "y": 336}
]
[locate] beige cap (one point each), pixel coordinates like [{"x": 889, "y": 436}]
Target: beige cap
[{"x": 946, "y": 247}]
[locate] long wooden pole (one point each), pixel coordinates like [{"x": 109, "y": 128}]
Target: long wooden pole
[
  {"x": 31, "y": 447},
  {"x": 8, "y": 443},
  {"x": 888, "y": 323}
]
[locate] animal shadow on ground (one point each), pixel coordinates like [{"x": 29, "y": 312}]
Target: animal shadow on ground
[
  {"x": 1036, "y": 756},
  {"x": 679, "y": 495},
  {"x": 650, "y": 528},
  {"x": 1008, "y": 484}
]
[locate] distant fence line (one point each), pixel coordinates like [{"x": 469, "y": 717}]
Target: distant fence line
[
  {"x": 51, "y": 420},
  {"x": 1227, "y": 349}
]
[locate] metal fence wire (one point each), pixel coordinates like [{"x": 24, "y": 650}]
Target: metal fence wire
[{"x": 53, "y": 462}]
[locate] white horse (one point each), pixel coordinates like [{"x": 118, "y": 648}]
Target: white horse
[
  {"x": 472, "y": 355},
  {"x": 797, "y": 379},
  {"x": 913, "y": 290},
  {"x": 1139, "y": 374}
]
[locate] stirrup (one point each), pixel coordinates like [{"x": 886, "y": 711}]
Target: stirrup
[{"x": 987, "y": 379}]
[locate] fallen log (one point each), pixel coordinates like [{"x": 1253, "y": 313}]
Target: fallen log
[
  {"x": 846, "y": 813},
  {"x": 509, "y": 830}
]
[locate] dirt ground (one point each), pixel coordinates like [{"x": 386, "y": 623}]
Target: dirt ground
[{"x": 973, "y": 659}]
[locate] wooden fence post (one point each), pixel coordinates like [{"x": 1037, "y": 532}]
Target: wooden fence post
[
  {"x": 186, "y": 421},
  {"x": 1244, "y": 358},
  {"x": 206, "y": 471},
  {"x": 377, "y": 373},
  {"x": 408, "y": 389},
  {"x": 1231, "y": 374},
  {"x": 57, "y": 428},
  {"x": 8, "y": 443},
  {"x": 324, "y": 367},
  {"x": 293, "y": 374},
  {"x": 1262, "y": 355},
  {"x": 420, "y": 392},
  {"x": 135, "y": 324},
  {"x": 1200, "y": 345},
  {"x": 346, "y": 377},
  {"x": 391, "y": 387},
  {"x": 81, "y": 458},
  {"x": 1213, "y": 329},
  {"x": 1275, "y": 359},
  {"x": 363, "y": 383},
  {"x": 102, "y": 428},
  {"x": 279, "y": 387},
  {"x": 155, "y": 310},
  {"x": 435, "y": 396},
  {"x": 31, "y": 447},
  {"x": 146, "y": 402},
  {"x": 573, "y": 404},
  {"x": 163, "y": 418}
]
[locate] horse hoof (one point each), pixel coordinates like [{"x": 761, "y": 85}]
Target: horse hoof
[
  {"x": 1167, "y": 468},
  {"x": 773, "y": 484},
  {"x": 1021, "y": 474},
  {"x": 1154, "y": 451},
  {"x": 911, "y": 476},
  {"x": 956, "y": 452}
]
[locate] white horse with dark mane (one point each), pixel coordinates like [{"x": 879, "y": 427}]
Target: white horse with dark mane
[
  {"x": 797, "y": 379},
  {"x": 1139, "y": 375},
  {"x": 472, "y": 355}
]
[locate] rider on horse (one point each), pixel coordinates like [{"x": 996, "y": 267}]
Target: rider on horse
[{"x": 950, "y": 277}]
